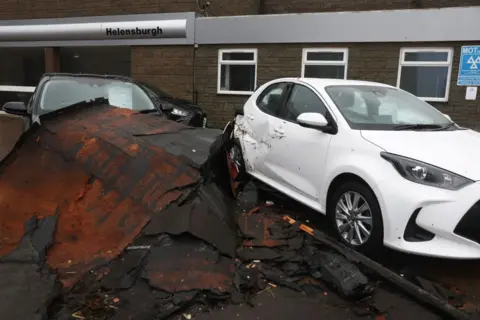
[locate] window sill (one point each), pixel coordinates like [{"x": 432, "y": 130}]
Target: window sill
[
  {"x": 235, "y": 93},
  {"x": 27, "y": 89},
  {"x": 433, "y": 99}
]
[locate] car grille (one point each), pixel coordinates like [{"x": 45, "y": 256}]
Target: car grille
[
  {"x": 469, "y": 225},
  {"x": 415, "y": 233}
]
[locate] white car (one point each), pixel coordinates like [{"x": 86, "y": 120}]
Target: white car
[{"x": 386, "y": 167}]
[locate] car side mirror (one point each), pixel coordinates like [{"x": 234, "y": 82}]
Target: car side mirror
[
  {"x": 447, "y": 116},
  {"x": 17, "y": 108},
  {"x": 312, "y": 120}
]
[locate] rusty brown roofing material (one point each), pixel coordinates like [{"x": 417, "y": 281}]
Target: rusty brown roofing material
[{"x": 92, "y": 169}]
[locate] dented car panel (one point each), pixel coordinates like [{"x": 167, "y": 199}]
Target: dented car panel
[
  {"x": 257, "y": 129},
  {"x": 254, "y": 143},
  {"x": 306, "y": 173}
]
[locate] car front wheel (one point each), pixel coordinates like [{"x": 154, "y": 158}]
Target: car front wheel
[{"x": 356, "y": 217}]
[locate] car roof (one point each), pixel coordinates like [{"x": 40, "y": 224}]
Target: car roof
[
  {"x": 324, "y": 82},
  {"x": 88, "y": 75},
  {"x": 316, "y": 82}
]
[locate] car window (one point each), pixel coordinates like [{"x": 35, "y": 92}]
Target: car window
[
  {"x": 63, "y": 92},
  {"x": 302, "y": 100},
  {"x": 270, "y": 99},
  {"x": 376, "y": 107}
]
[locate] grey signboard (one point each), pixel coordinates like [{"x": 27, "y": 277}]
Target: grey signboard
[{"x": 153, "y": 29}]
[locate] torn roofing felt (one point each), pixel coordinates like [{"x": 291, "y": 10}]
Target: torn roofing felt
[{"x": 103, "y": 172}]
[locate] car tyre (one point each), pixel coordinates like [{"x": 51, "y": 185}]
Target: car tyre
[{"x": 359, "y": 222}]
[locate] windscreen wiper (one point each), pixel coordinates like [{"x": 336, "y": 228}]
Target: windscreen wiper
[
  {"x": 149, "y": 111},
  {"x": 448, "y": 126},
  {"x": 417, "y": 127}
]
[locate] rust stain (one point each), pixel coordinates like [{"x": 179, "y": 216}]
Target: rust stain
[
  {"x": 168, "y": 128},
  {"x": 185, "y": 267},
  {"x": 232, "y": 169},
  {"x": 257, "y": 227},
  {"x": 88, "y": 167}
]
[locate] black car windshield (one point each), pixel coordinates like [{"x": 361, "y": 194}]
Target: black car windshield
[
  {"x": 62, "y": 92},
  {"x": 157, "y": 91},
  {"x": 384, "y": 108}
]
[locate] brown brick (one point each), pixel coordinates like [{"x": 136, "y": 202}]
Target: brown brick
[
  {"x": 304, "y": 6},
  {"x": 168, "y": 67},
  {"x": 369, "y": 61},
  {"x": 30, "y": 9}
]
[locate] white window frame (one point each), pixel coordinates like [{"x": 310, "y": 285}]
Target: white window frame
[
  {"x": 222, "y": 62},
  {"x": 448, "y": 63},
  {"x": 343, "y": 63},
  {"x": 17, "y": 88}
]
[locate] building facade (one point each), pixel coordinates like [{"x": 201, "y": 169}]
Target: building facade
[{"x": 217, "y": 53}]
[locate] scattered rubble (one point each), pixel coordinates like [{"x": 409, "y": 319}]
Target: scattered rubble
[{"x": 110, "y": 214}]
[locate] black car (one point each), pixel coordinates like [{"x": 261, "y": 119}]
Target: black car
[
  {"x": 176, "y": 109},
  {"x": 60, "y": 90}
]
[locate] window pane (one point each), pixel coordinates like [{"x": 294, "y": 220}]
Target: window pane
[
  {"x": 426, "y": 56},
  {"x": 249, "y": 56},
  {"x": 331, "y": 72},
  {"x": 303, "y": 100},
  {"x": 270, "y": 99},
  {"x": 424, "y": 82},
  {"x": 325, "y": 56},
  {"x": 374, "y": 107},
  {"x": 21, "y": 66},
  {"x": 237, "y": 77},
  {"x": 97, "y": 60},
  {"x": 63, "y": 92}
]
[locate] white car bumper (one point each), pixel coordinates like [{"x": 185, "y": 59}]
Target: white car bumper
[{"x": 451, "y": 217}]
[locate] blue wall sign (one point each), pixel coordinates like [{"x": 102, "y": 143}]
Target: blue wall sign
[{"x": 469, "y": 71}]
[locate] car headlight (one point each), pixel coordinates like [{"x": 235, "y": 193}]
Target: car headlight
[
  {"x": 423, "y": 173},
  {"x": 179, "y": 112}
]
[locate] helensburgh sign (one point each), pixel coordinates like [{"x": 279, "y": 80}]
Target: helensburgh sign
[
  {"x": 96, "y": 31},
  {"x": 134, "y": 32}
]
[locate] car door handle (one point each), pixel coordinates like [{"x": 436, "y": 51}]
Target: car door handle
[
  {"x": 250, "y": 117},
  {"x": 279, "y": 131}
]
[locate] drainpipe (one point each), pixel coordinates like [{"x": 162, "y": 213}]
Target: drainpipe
[
  {"x": 261, "y": 7},
  {"x": 194, "y": 88},
  {"x": 417, "y": 4},
  {"x": 52, "y": 59}
]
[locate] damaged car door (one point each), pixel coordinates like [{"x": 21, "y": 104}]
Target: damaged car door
[
  {"x": 298, "y": 153},
  {"x": 254, "y": 127}
]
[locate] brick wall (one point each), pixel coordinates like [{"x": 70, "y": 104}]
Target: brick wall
[
  {"x": 302, "y": 6},
  {"x": 167, "y": 67},
  {"x": 374, "y": 62},
  {"x": 30, "y": 9}
]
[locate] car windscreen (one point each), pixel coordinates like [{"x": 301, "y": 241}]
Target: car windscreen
[
  {"x": 62, "y": 92},
  {"x": 157, "y": 91},
  {"x": 383, "y": 108}
]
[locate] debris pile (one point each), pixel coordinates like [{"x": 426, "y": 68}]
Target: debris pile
[
  {"x": 284, "y": 255},
  {"x": 79, "y": 189},
  {"x": 110, "y": 214},
  {"x": 162, "y": 274}
]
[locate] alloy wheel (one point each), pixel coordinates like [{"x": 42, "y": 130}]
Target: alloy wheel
[{"x": 353, "y": 218}]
